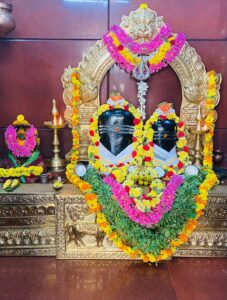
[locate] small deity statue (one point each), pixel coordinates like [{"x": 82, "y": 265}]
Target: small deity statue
[
  {"x": 116, "y": 130},
  {"x": 22, "y": 141},
  {"x": 165, "y": 136}
]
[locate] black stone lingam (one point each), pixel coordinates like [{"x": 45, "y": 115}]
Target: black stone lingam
[
  {"x": 116, "y": 129},
  {"x": 165, "y": 134}
]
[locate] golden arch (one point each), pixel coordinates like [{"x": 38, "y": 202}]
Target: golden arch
[{"x": 141, "y": 25}]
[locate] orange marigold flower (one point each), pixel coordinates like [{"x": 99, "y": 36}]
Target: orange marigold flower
[
  {"x": 145, "y": 258},
  {"x": 191, "y": 225},
  {"x": 183, "y": 237},
  {"x": 103, "y": 224},
  {"x": 84, "y": 186},
  {"x": 95, "y": 209},
  {"x": 90, "y": 197},
  {"x": 199, "y": 213},
  {"x": 112, "y": 236}
]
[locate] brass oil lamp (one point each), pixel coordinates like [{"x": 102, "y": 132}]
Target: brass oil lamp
[
  {"x": 199, "y": 131},
  {"x": 57, "y": 164}
]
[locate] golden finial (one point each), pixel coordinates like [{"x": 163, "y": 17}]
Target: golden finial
[
  {"x": 143, "y": 6},
  {"x": 20, "y": 121}
]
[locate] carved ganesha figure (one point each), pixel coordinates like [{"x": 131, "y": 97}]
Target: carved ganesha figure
[{"x": 141, "y": 24}]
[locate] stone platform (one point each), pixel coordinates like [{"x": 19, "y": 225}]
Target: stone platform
[{"x": 36, "y": 221}]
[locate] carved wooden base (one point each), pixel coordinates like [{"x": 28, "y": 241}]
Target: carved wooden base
[
  {"x": 27, "y": 221},
  {"x": 78, "y": 237},
  {"x": 33, "y": 217}
]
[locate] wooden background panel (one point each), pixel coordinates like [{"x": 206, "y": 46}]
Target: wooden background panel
[
  {"x": 220, "y": 142},
  {"x": 197, "y": 19},
  {"x": 214, "y": 56},
  {"x": 31, "y": 69},
  {"x": 46, "y": 139},
  {"x": 63, "y": 19},
  {"x": 31, "y": 77},
  {"x": 163, "y": 86}
]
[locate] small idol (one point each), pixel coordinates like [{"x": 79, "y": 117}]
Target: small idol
[{"x": 23, "y": 154}]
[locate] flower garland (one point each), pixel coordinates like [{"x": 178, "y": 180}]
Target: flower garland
[
  {"x": 165, "y": 111},
  {"x": 20, "y": 171},
  {"x": 163, "y": 49},
  {"x": 70, "y": 169},
  {"x": 141, "y": 48},
  {"x": 145, "y": 218},
  {"x": 141, "y": 176},
  {"x": 29, "y": 145},
  {"x": 119, "y": 171},
  {"x": 209, "y": 120},
  {"x": 173, "y": 229}
]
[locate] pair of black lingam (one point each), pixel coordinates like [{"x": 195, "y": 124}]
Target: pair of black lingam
[{"x": 116, "y": 131}]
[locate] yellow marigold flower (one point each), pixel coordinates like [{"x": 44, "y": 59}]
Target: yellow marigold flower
[
  {"x": 143, "y": 6},
  {"x": 181, "y": 142},
  {"x": 135, "y": 192}
]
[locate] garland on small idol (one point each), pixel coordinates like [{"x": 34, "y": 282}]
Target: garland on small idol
[
  {"x": 120, "y": 170},
  {"x": 25, "y": 149},
  {"x": 162, "y": 49},
  {"x": 18, "y": 150},
  {"x": 138, "y": 241}
]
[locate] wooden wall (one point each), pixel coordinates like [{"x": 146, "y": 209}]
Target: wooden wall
[{"x": 53, "y": 34}]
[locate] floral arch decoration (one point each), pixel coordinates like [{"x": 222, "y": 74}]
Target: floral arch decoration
[{"x": 175, "y": 202}]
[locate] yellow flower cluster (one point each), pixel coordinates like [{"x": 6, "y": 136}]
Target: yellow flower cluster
[
  {"x": 20, "y": 171},
  {"x": 140, "y": 177},
  {"x": 209, "y": 121},
  {"x": 161, "y": 53}
]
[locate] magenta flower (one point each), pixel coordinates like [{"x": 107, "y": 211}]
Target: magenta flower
[
  {"x": 143, "y": 48},
  {"x": 145, "y": 219},
  {"x": 12, "y": 143}
]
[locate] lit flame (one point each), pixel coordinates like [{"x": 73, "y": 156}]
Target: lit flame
[{"x": 60, "y": 120}]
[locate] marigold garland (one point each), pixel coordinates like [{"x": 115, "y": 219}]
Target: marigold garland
[
  {"x": 170, "y": 244},
  {"x": 154, "y": 215},
  {"x": 164, "y": 47},
  {"x": 209, "y": 120},
  {"x": 20, "y": 171},
  {"x": 93, "y": 201}
]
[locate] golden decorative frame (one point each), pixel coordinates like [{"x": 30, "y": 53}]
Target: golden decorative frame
[
  {"x": 141, "y": 25},
  {"x": 210, "y": 237}
]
